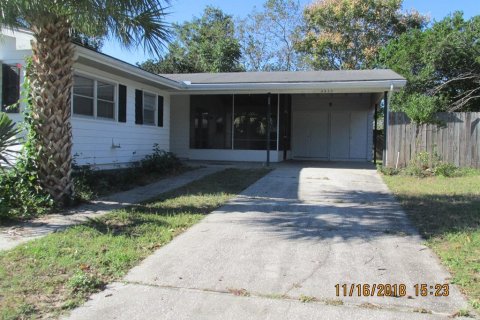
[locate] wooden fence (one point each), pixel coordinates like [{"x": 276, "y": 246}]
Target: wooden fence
[{"x": 456, "y": 141}]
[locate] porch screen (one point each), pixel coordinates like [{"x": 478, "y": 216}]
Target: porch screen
[
  {"x": 250, "y": 122},
  {"x": 211, "y": 121}
]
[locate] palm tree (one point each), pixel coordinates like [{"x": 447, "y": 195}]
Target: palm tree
[{"x": 132, "y": 22}]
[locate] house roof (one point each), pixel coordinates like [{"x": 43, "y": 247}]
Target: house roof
[{"x": 286, "y": 76}]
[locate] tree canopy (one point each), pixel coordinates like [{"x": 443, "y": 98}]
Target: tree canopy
[
  {"x": 348, "y": 34},
  {"x": 205, "y": 44},
  {"x": 441, "y": 64},
  {"x": 133, "y": 22},
  {"x": 268, "y": 37}
]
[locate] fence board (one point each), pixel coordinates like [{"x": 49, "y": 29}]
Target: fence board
[{"x": 457, "y": 141}]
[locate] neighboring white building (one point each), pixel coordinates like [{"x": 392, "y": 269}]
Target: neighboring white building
[{"x": 120, "y": 111}]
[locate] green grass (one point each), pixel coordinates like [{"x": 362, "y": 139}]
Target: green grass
[
  {"x": 42, "y": 278},
  {"x": 447, "y": 213}
]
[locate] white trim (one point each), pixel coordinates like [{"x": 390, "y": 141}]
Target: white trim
[
  {"x": 125, "y": 67},
  {"x": 155, "y": 109},
  {"x": 298, "y": 87}
]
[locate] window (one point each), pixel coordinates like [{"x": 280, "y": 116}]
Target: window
[
  {"x": 10, "y": 87},
  {"x": 211, "y": 121},
  {"x": 93, "y": 98},
  {"x": 149, "y": 106}
]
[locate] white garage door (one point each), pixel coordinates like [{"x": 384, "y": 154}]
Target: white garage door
[{"x": 330, "y": 135}]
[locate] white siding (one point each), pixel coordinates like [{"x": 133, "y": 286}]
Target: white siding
[
  {"x": 180, "y": 129},
  {"x": 93, "y": 138}
]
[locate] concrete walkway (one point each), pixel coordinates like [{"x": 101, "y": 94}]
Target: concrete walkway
[
  {"x": 11, "y": 236},
  {"x": 293, "y": 235}
]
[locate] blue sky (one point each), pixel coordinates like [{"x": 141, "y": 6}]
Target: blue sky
[{"x": 182, "y": 10}]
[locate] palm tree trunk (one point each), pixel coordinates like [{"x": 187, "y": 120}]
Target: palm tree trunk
[{"x": 51, "y": 85}]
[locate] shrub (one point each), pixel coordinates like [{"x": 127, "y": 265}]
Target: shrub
[
  {"x": 445, "y": 169},
  {"x": 387, "y": 171},
  {"x": 423, "y": 165},
  {"x": 20, "y": 194},
  {"x": 88, "y": 183},
  {"x": 160, "y": 161}
]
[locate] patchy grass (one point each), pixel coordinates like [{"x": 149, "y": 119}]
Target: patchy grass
[
  {"x": 307, "y": 299},
  {"x": 42, "y": 278},
  {"x": 447, "y": 213},
  {"x": 90, "y": 185}
]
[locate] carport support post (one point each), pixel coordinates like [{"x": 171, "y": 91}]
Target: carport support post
[
  {"x": 375, "y": 136},
  {"x": 269, "y": 111},
  {"x": 385, "y": 129}
]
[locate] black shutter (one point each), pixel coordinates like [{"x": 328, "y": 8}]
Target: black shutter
[
  {"x": 160, "y": 111},
  {"x": 10, "y": 87},
  {"x": 122, "y": 103},
  {"x": 138, "y": 106}
]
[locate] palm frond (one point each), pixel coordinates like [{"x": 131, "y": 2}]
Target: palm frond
[
  {"x": 8, "y": 139},
  {"x": 132, "y": 22}
]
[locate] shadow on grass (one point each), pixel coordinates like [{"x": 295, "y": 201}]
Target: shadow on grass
[{"x": 435, "y": 215}]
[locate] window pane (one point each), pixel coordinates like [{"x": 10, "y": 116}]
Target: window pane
[
  {"x": 148, "y": 117},
  {"x": 105, "y": 109},
  {"x": 10, "y": 87},
  {"x": 250, "y": 123},
  {"x": 149, "y": 101},
  {"x": 105, "y": 91},
  {"x": 82, "y": 105},
  {"x": 211, "y": 121},
  {"x": 83, "y": 86}
]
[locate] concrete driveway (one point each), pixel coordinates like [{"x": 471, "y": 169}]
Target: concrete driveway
[{"x": 291, "y": 236}]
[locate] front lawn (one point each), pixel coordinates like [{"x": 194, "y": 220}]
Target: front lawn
[
  {"x": 447, "y": 213},
  {"x": 58, "y": 272}
]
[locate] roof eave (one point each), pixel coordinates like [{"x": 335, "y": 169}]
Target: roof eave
[
  {"x": 301, "y": 87},
  {"x": 126, "y": 67}
]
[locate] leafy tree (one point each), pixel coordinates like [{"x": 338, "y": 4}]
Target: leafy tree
[
  {"x": 268, "y": 36},
  {"x": 441, "y": 64},
  {"x": 132, "y": 22},
  {"x": 348, "y": 34},
  {"x": 205, "y": 44}
]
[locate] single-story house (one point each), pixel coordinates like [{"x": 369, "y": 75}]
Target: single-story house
[{"x": 120, "y": 111}]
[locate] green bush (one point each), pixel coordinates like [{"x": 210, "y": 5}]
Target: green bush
[
  {"x": 160, "y": 161},
  {"x": 427, "y": 165},
  {"x": 423, "y": 165},
  {"x": 387, "y": 170},
  {"x": 20, "y": 194},
  {"x": 445, "y": 169}
]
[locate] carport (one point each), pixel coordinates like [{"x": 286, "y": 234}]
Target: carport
[{"x": 245, "y": 116}]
